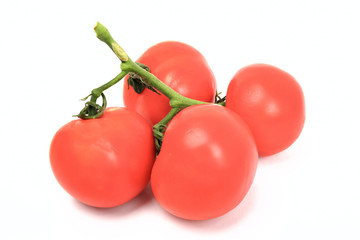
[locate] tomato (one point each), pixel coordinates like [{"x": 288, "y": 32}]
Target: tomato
[
  {"x": 104, "y": 162},
  {"x": 179, "y": 66},
  {"x": 206, "y": 165},
  {"x": 271, "y": 102}
]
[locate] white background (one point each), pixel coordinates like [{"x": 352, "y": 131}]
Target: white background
[{"x": 50, "y": 58}]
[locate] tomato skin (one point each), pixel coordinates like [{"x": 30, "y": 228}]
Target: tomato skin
[
  {"x": 179, "y": 66},
  {"x": 104, "y": 162},
  {"x": 206, "y": 165},
  {"x": 271, "y": 102}
]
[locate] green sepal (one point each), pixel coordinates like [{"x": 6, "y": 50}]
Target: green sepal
[
  {"x": 92, "y": 110},
  {"x": 220, "y": 100},
  {"x": 137, "y": 83}
]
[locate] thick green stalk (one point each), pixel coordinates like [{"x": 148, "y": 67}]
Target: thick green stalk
[
  {"x": 127, "y": 65},
  {"x": 176, "y": 99}
]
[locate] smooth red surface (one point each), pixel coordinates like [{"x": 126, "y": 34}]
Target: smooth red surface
[
  {"x": 206, "y": 165},
  {"x": 104, "y": 162},
  {"x": 271, "y": 102},
  {"x": 179, "y": 66}
]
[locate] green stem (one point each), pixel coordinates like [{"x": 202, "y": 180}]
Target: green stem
[
  {"x": 160, "y": 128},
  {"x": 176, "y": 99},
  {"x": 93, "y": 110},
  {"x": 103, "y": 34},
  {"x": 168, "y": 117},
  {"x": 97, "y": 91}
]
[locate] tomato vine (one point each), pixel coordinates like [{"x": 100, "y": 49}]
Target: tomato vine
[
  {"x": 144, "y": 77},
  {"x": 210, "y": 151}
]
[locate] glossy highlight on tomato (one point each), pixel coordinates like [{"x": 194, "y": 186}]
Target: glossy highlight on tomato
[
  {"x": 206, "y": 165},
  {"x": 104, "y": 162},
  {"x": 271, "y": 102},
  {"x": 179, "y": 66}
]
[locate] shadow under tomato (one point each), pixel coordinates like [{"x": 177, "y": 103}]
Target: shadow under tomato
[
  {"x": 144, "y": 198},
  {"x": 230, "y": 219}
]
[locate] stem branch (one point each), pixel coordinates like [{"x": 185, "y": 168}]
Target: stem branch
[
  {"x": 168, "y": 117},
  {"x": 93, "y": 110},
  {"x": 97, "y": 91},
  {"x": 160, "y": 128}
]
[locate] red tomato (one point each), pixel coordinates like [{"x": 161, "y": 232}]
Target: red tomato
[
  {"x": 104, "y": 162},
  {"x": 271, "y": 102},
  {"x": 206, "y": 165},
  {"x": 179, "y": 66}
]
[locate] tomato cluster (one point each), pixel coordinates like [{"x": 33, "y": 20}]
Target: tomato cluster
[{"x": 209, "y": 154}]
